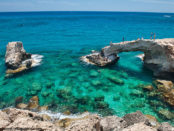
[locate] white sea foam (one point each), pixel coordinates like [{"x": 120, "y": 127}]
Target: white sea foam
[
  {"x": 37, "y": 59},
  {"x": 167, "y": 16},
  {"x": 63, "y": 116}
]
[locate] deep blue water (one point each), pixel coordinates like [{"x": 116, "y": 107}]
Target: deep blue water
[{"x": 62, "y": 81}]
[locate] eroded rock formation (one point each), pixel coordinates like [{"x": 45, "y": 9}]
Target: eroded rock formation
[
  {"x": 17, "y": 60},
  {"x": 13, "y": 119},
  {"x": 98, "y": 59},
  {"x": 158, "y": 54}
]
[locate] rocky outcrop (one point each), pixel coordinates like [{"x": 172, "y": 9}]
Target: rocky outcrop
[
  {"x": 158, "y": 54},
  {"x": 17, "y": 60},
  {"x": 98, "y": 59},
  {"x": 12, "y": 119}
]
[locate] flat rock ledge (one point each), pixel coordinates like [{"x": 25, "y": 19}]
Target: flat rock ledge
[
  {"x": 12, "y": 118},
  {"x": 17, "y": 60}
]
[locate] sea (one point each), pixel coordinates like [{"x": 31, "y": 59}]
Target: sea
[{"x": 65, "y": 83}]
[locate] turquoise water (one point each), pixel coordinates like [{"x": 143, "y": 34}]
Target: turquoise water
[{"x": 62, "y": 81}]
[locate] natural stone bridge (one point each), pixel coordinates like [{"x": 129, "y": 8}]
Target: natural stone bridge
[{"x": 158, "y": 54}]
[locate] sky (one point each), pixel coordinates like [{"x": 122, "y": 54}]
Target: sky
[{"x": 88, "y": 5}]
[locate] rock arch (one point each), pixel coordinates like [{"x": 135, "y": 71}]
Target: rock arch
[{"x": 158, "y": 54}]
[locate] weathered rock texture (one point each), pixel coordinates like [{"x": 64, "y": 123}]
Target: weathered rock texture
[
  {"x": 17, "y": 60},
  {"x": 158, "y": 54},
  {"x": 98, "y": 59},
  {"x": 13, "y": 119}
]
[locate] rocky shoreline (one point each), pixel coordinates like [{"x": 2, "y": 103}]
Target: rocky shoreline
[
  {"x": 12, "y": 118},
  {"x": 32, "y": 116}
]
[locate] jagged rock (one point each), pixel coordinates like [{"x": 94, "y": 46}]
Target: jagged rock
[
  {"x": 165, "y": 127},
  {"x": 158, "y": 54},
  {"x": 164, "y": 85},
  {"x": 88, "y": 123},
  {"x": 17, "y": 60},
  {"x": 166, "y": 88},
  {"x": 110, "y": 123},
  {"x": 133, "y": 118},
  {"x": 139, "y": 127},
  {"x": 152, "y": 121},
  {"x": 33, "y": 103},
  {"x": 99, "y": 60},
  {"x": 4, "y": 120},
  {"x": 18, "y": 118},
  {"x": 26, "y": 119},
  {"x": 15, "y": 55}
]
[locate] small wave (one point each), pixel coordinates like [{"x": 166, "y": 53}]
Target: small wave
[
  {"x": 167, "y": 16},
  {"x": 37, "y": 59},
  {"x": 63, "y": 116}
]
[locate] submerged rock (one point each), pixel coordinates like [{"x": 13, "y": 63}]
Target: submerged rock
[
  {"x": 115, "y": 80},
  {"x": 166, "y": 88},
  {"x": 96, "y": 83},
  {"x": 166, "y": 114},
  {"x": 17, "y": 60},
  {"x": 93, "y": 73}
]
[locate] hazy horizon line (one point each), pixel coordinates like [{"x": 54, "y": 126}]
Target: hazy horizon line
[{"x": 85, "y": 11}]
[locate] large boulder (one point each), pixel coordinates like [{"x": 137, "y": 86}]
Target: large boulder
[
  {"x": 15, "y": 55},
  {"x": 17, "y": 60},
  {"x": 134, "y": 118}
]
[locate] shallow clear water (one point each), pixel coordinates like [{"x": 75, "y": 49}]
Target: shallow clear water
[{"x": 65, "y": 83}]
